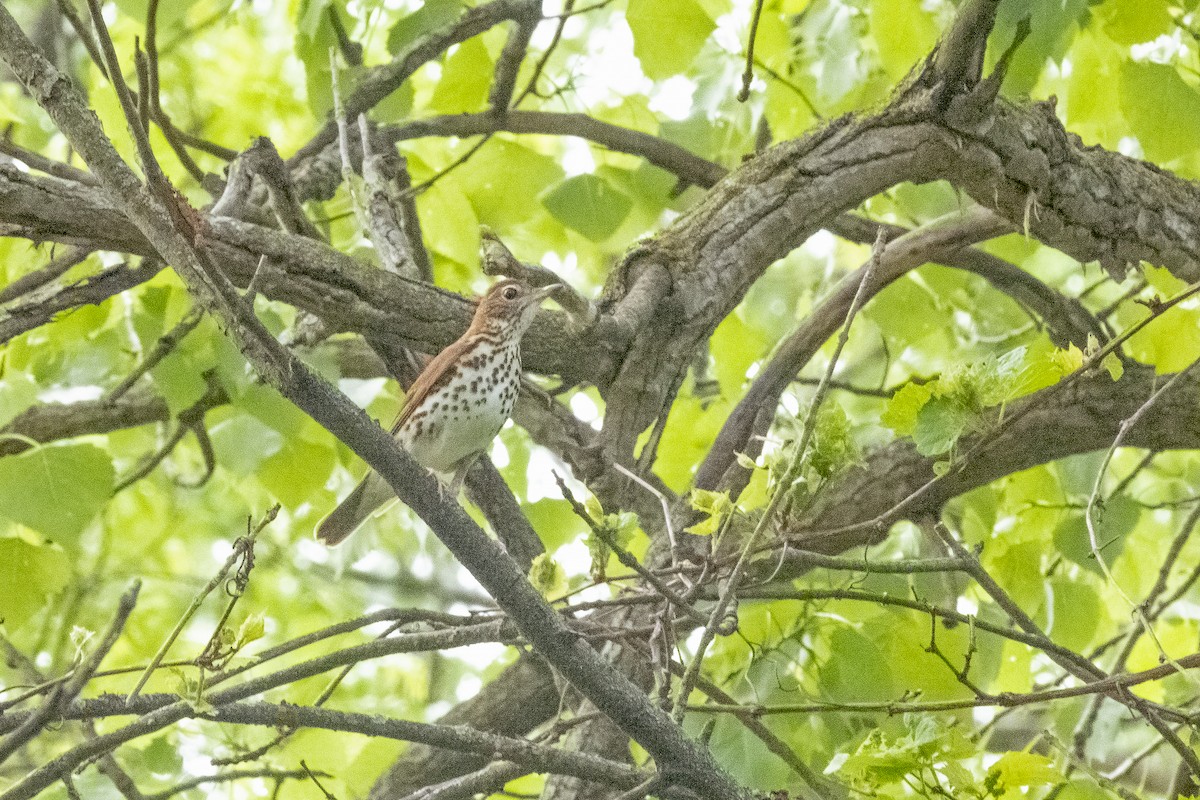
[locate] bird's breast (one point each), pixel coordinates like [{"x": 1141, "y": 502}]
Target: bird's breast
[{"x": 463, "y": 415}]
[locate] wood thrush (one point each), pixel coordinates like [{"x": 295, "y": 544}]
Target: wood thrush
[{"x": 456, "y": 406}]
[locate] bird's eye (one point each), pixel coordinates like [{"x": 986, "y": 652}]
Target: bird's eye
[{"x": 511, "y": 293}]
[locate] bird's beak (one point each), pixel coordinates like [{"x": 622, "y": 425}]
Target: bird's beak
[{"x": 546, "y": 291}]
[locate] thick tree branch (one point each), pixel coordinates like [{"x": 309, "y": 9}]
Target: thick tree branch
[
  {"x": 679, "y": 758},
  {"x": 751, "y": 418},
  {"x": 518, "y": 700},
  {"x": 1056, "y": 422}
]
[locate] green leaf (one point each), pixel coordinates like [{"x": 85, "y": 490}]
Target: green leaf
[
  {"x": 449, "y": 222},
  {"x": 833, "y": 445},
  {"x": 1134, "y": 21},
  {"x": 252, "y": 629},
  {"x": 667, "y": 36},
  {"x": 162, "y": 757},
  {"x": 907, "y": 313},
  {"x": 856, "y": 668},
  {"x": 547, "y": 576},
  {"x": 242, "y": 443},
  {"x": 736, "y": 344},
  {"x": 1023, "y": 769},
  {"x": 18, "y": 392},
  {"x": 433, "y": 14},
  {"x": 504, "y": 182},
  {"x": 168, "y": 15},
  {"x": 1054, "y": 25},
  {"x": 903, "y": 407},
  {"x": 1114, "y": 522},
  {"x": 297, "y": 472},
  {"x": 56, "y": 489},
  {"x": 180, "y": 381},
  {"x": 925, "y": 740},
  {"x": 466, "y": 79},
  {"x": 29, "y": 575},
  {"x": 904, "y": 32},
  {"x": 940, "y": 423},
  {"x": 315, "y": 36},
  {"x": 1078, "y": 612},
  {"x": 1068, "y": 360},
  {"x": 715, "y": 504},
  {"x": 1112, "y": 363},
  {"x": 1161, "y": 108},
  {"x": 588, "y": 204}
]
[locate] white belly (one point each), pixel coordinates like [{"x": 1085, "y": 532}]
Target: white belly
[{"x": 471, "y": 410}]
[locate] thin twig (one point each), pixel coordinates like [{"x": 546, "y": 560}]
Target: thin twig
[
  {"x": 1094, "y": 500},
  {"x": 149, "y": 162},
  {"x": 531, "y": 86},
  {"x": 624, "y": 556},
  {"x": 151, "y": 463},
  {"x": 165, "y": 345},
  {"x": 662, "y": 500},
  {"x": 231, "y": 776},
  {"x": 236, "y": 554},
  {"x": 85, "y": 36},
  {"x": 792, "y": 472},
  {"x": 343, "y": 137},
  {"x": 64, "y": 694},
  {"x": 288, "y": 731},
  {"x": 49, "y": 166},
  {"x": 1072, "y": 662},
  {"x": 748, "y": 76},
  {"x": 40, "y": 277}
]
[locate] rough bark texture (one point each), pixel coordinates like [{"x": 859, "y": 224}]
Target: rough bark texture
[{"x": 658, "y": 310}]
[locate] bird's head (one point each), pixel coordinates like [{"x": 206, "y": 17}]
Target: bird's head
[{"x": 510, "y": 306}]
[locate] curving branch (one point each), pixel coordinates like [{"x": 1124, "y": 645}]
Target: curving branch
[
  {"x": 173, "y": 234},
  {"x": 381, "y": 81}
]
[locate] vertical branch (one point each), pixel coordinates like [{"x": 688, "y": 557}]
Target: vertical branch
[
  {"x": 383, "y": 224},
  {"x": 509, "y": 63},
  {"x": 748, "y": 76}
]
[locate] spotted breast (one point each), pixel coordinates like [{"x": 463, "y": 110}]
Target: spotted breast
[{"x": 457, "y": 404}]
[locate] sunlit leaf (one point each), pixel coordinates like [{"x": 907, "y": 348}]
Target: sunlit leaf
[
  {"x": 465, "y": 80},
  {"x": 29, "y": 576},
  {"x": 1160, "y": 107},
  {"x": 662, "y": 54},
  {"x": 432, "y": 15},
  {"x": 588, "y": 204},
  {"x": 904, "y": 32},
  {"x": 547, "y": 576},
  {"x": 1023, "y": 769},
  {"x": 56, "y": 489}
]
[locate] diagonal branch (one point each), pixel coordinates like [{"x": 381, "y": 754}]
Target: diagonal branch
[
  {"x": 677, "y": 756},
  {"x": 384, "y": 80}
]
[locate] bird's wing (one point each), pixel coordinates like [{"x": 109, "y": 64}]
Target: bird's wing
[{"x": 433, "y": 376}]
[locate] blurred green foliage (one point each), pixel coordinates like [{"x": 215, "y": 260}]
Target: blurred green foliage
[{"x": 955, "y": 349}]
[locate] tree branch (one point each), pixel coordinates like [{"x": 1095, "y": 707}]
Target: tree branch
[{"x": 680, "y": 758}]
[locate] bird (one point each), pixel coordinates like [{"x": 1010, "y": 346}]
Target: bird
[{"x": 456, "y": 406}]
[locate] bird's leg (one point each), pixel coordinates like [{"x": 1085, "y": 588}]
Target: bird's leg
[{"x": 456, "y": 481}]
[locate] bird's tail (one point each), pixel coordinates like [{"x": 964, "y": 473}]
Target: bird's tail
[{"x": 344, "y": 520}]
